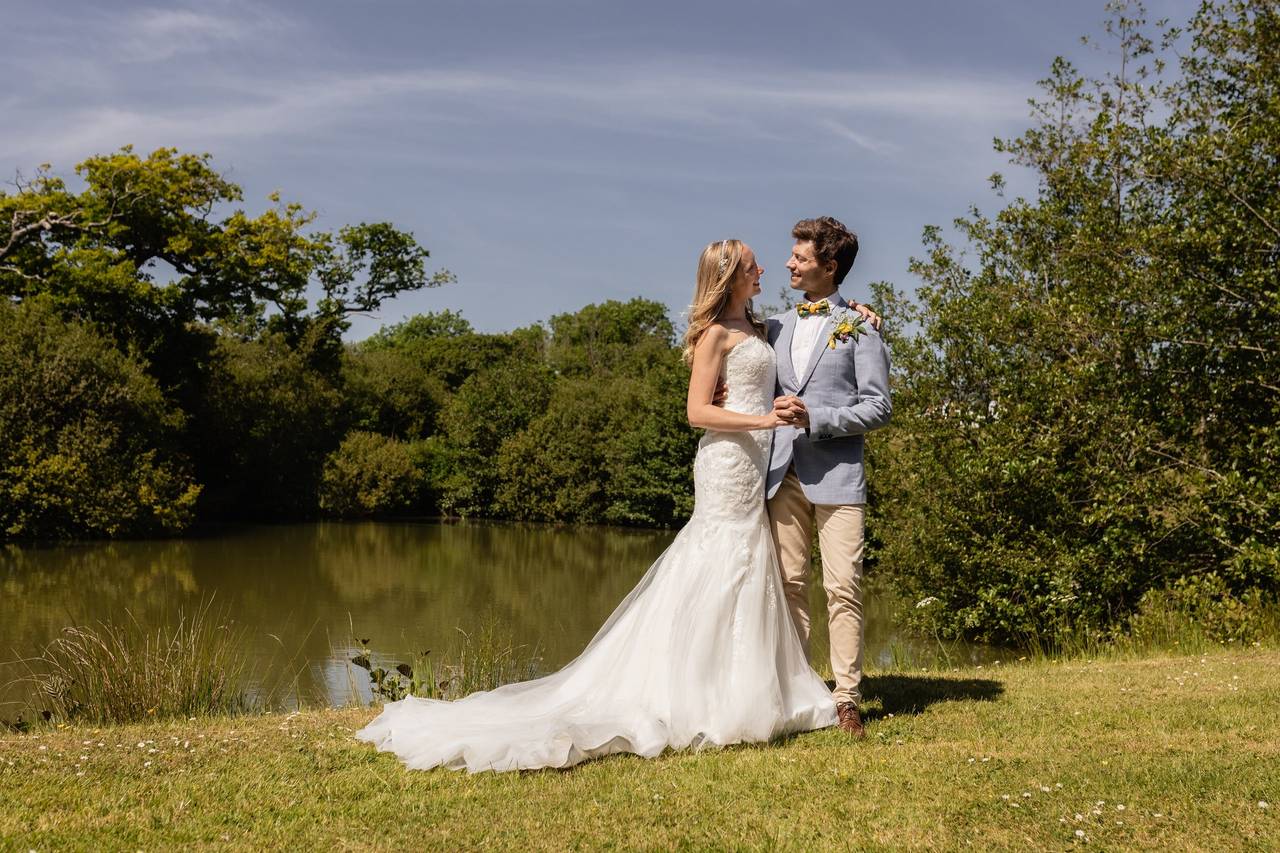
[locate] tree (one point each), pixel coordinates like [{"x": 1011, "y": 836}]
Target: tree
[
  {"x": 139, "y": 251},
  {"x": 86, "y": 437},
  {"x": 1089, "y": 412}
]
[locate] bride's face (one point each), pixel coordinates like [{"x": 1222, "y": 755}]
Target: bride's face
[{"x": 748, "y": 281}]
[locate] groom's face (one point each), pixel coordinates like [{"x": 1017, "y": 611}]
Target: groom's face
[{"x": 807, "y": 272}]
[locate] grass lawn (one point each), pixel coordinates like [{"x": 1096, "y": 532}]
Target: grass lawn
[{"x": 1177, "y": 753}]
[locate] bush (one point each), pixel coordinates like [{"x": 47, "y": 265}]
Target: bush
[
  {"x": 370, "y": 474},
  {"x": 85, "y": 435},
  {"x": 263, "y": 431}
]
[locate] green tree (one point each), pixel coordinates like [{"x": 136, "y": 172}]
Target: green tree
[
  {"x": 86, "y": 437},
  {"x": 491, "y": 406},
  {"x": 264, "y": 430},
  {"x": 1089, "y": 411},
  {"x": 139, "y": 251}
]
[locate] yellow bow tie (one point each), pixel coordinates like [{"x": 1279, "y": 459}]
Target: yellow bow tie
[{"x": 808, "y": 309}]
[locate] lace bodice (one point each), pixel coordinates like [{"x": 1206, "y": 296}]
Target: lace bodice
[{"x": 729, "y": 471}]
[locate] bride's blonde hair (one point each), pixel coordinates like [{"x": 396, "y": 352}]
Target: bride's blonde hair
[{"x": 717, "y": 269}]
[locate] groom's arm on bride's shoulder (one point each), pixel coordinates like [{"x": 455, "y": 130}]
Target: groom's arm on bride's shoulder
[{"x": 870, "y": 407}]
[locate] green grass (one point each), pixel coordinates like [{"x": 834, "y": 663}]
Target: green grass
[{"x": 1021, "y": 756}]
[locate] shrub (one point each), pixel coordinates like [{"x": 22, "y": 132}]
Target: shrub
[
  {"x": 85, "y": 435},
  {"x": 370, "y": 474}
]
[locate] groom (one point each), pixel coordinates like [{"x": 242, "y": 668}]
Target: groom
[{"x": 833, "y": 386}]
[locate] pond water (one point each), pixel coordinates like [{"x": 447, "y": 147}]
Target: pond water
[{"x": 303, "y": 592}]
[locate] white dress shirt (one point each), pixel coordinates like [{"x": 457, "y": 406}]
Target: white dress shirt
[{"x": 804, "y": 339}]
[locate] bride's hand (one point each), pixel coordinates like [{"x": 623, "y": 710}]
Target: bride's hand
[{"x": 771, "y": 421}]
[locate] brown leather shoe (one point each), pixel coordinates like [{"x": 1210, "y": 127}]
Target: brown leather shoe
[{"x": 849, "y": 720}]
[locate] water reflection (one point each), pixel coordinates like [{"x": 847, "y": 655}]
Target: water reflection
[{"x": 301, "y": 590}]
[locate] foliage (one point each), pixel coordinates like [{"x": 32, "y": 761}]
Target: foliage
[
  {"x": 86, "y": 437},
  {"x": 490, "y": 407},
  {"x": 390, "y": 391},
  {"x": 1088, "y": 411},
  {"x": 418, "y": 329},
  {"x": 264, "y": 429},
  {"x": 122, "y": 673},
  {"x": 211, "y": 303},
  {"x": 370, "y": 474},
  {"x": 102, "y": 253},
  {"x": 627, "y": 338},
  {"x": 622, "y": 456},
  {"x": 481, "y": 660}
]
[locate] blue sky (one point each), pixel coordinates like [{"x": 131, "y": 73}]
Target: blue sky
[{"x": 558, "y": 153}]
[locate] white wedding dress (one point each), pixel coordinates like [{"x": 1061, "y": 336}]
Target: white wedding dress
[{"x": 701, "y": 653}]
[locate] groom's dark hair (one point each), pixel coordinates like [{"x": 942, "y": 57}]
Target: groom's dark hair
[{"x": 831, "y": 242}]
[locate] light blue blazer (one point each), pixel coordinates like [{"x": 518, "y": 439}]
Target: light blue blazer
[{"x": 846, "y": 391}]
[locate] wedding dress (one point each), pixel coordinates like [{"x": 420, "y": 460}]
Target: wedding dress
[{"x": 701, "y": 653}]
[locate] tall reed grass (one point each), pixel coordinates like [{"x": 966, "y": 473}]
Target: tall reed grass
[{"x": 120, "y": 673}]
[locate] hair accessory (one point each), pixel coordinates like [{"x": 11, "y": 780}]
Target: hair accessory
[{"x": 724, "y": 256}]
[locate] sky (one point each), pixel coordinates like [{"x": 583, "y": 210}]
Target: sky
[{"x": 558, "y": 153}]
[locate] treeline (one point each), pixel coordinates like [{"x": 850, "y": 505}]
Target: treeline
[
  {"x": 1087, "y": 398},
  {"x": 161, "y": 364},
  {"x": 1087, "y": 424}
]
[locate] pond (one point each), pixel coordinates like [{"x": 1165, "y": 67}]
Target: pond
[{"x": 302, "y": 593}]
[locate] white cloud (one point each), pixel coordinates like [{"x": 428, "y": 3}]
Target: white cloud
[{"x": 688, "y": 100}]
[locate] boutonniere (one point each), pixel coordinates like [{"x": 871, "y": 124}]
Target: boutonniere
[{"x": 849, "y": 325}]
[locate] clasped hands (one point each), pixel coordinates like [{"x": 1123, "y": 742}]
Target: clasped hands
[
  {"x": 791, "y": 411},
  {"x": 788, "y": 409}
]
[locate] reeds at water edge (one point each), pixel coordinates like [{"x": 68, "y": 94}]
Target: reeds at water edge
[{"x": 120, "y": 673}]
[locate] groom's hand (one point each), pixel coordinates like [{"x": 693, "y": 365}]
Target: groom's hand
[
  {"x": 722, "y": 391},
  {"x": 791, "y": 410}
]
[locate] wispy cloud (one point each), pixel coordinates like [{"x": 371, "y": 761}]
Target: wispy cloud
[{"x": 651, "y": 99}]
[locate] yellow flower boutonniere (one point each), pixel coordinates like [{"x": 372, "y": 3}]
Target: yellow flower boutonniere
[{"x": 849, "y": 325}]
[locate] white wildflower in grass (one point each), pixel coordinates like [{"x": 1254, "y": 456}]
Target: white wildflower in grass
[
  {"x": 1263, "y": 804},
  {"x": 1079, "y": 833},
  {"x": 1119, "y": 807},
  {"x": 925, "y": 602},
  {"x": 1044, "y": 788}
]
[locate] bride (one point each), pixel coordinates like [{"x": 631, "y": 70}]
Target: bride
[{"x": 702, "y": 652}]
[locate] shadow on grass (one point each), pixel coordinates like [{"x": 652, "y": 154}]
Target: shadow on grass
[{"x": 899, "y": 693}]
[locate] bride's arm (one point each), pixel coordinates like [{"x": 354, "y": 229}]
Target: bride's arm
[{"x": 708, "y": 356}]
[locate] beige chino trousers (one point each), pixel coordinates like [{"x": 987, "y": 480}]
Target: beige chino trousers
[{"x": 840, "y": 540}]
